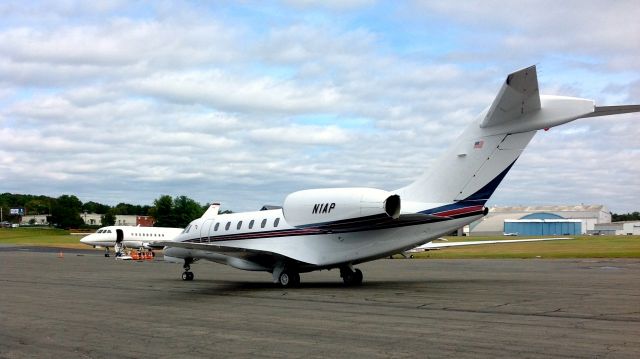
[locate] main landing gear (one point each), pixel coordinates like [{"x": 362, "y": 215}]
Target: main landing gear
[
  {"x": 186, "y": 275},
  {"x": 350, "y": 276},
  {"x": 106, "y": 252}
]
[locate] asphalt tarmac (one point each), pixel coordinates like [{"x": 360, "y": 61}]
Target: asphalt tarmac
[{"x": 82, "y": 305}]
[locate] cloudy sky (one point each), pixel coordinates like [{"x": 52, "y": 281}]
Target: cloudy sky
[{"x": 242, "y": 102}]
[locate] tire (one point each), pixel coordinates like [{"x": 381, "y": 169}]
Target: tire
[
  {"x": 289, "y": 279},
  {"x": 357, "y": 277},
  {"x": 352, "y": 278},
  {"x": 295, "y": 279},
  {"x": 285, "y": 279}
]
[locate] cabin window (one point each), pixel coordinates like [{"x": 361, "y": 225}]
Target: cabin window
[
  {"x": 251, "y": 224},
  {"x": 226, "y": 228},
  {"x": 239, "y": 225},
  {"x": 264, "y": 223},
  {"x": 217, "y": 226},
  {"x": 275, "y": 223}
]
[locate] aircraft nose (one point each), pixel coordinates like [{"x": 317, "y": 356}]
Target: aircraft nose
[{"x": 85, "y": 239}]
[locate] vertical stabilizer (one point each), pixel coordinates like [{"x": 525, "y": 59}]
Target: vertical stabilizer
[
  {"x": 475, "y": 164},
  {"x": 212, "y": 211}
]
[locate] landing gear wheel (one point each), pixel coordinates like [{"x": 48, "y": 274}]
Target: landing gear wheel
[
  {"x": 187, "y": 276},
  {"x": 106, "y": 254},
  {"x": 357, "y": 277},
  {"x": 289, "y": 279},
  {"x": 351, "y": 278}
]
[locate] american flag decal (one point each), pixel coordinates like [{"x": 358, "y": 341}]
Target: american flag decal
[{"x": 478, "y": 144}]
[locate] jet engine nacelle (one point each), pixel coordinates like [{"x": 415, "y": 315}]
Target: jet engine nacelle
[{"x": 340, "y": 207}]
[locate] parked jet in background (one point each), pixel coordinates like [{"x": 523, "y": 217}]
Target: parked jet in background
[
  {"x": 120, "y": 237},
  {"x": 341, "y": 227}
]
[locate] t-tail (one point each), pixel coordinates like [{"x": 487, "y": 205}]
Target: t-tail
[{"x": 472, "y": 168}]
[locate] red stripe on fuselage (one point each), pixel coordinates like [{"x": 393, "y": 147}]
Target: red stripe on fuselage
[{"x": 458, "y": 211}]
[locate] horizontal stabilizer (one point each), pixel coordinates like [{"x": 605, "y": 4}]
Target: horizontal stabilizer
[
  {"x": 431, "y": 245},
  {"x": 612, "y": 110},
  {"x": 518, "y": 96}
]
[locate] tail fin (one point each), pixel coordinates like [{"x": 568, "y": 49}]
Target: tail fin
[
  {"x": 475, "y": 164},
  {"x": 212, "y": 211}
]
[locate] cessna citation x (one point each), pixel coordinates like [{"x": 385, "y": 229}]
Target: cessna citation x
[{"x": 342, "y": 227}]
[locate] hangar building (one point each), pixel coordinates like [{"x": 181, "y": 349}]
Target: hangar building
[
  {"x": 617, "y": 228},
  {"x": 540, "y": 220}
]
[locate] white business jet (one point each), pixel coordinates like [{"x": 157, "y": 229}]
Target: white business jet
[
  {"x": 341, "y": 227},
  {"x": 120, "y": 237}
]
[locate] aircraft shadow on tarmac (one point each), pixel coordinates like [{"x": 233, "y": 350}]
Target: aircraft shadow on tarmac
[{"x": 217, "y": 287}]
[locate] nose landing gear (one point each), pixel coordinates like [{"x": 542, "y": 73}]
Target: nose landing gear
[{"x": 187, "y": 275}]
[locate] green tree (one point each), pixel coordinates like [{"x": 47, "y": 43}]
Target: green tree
[
  {"x": 108, "y": 219},
  {"x": 94, "y": 207},
  {"x": 185, "y": 210},
  {"x": 66, "y": 212},
  {"x": 625, "y": 217},
  {"x": 162, "y": 211}
]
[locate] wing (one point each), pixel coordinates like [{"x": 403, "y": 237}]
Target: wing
[
  {"x": 519, "y": 95},
  {"x": 431, "y": 245},
  {"x": 232, "y": 251}
]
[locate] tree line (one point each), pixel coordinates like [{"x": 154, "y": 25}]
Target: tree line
[{"x": 65, "y": 211}]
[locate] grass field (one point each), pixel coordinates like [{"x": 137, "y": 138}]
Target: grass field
[
  {"x": 580, "y": 247},
  {"x": 40, "y": 236}
]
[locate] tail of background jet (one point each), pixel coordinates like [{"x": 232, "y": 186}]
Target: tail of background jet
[{"x": 473, "y": 167}]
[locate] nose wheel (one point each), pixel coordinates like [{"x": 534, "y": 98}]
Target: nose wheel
[{"x": 187, "y": 275}]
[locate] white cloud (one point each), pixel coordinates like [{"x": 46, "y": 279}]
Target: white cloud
[{"x": 243, "y": 103}]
